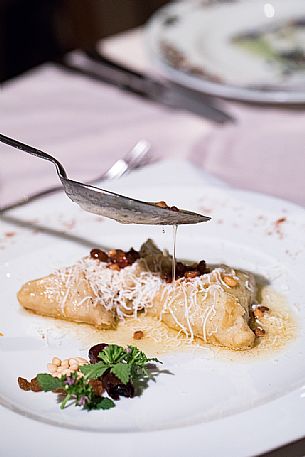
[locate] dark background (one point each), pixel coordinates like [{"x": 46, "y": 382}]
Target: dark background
[{"x": 36, "y": 31}]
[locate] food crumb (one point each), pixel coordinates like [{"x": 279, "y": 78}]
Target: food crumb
[
  {"x": 281, "y": 220},
  {"x": 278, "y": 225},
  {"x": 138, "y": 335},
  {"x": 9, "y": 234},
  {"x": 1, "y": 334}
]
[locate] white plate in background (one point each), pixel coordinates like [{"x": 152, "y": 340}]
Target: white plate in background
[{"x": 191, "y": 41}]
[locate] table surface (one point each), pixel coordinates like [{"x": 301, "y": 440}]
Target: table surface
[{"x": 87, "y": 125}]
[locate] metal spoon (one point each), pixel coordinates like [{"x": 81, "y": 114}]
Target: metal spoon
[{"x": 108, "y": 204}]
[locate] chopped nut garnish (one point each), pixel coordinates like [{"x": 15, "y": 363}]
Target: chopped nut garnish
[
  {"x": 97, "y": 386},
  {"x": 60, "y": 367},
  {"x": 99, "y": 255},
  {"x": 259, "y": 310},
  {"x": 191, "y": 274},
  {"x": 138, "y": 335},
  {"x": 24, "y": 384},
  {"x": 202, "y": 267},
  {"x": 112, "y": 253},
  {"x": 259, "y": 331},
  {"x": 114, "y": 266},
  {"x": 132, "y": 255},
  {"x": 167, "y": 277},
  {"x": 231, "y": 282},
  {"x": 263, "y": 308},
  {"x": 35, "y": 387},
  {"x": 161, "y": 204},
  {"x": 32, "y": 385},
  {"x": 258, "y": 313},
  {"x": 116, "y": 257}
]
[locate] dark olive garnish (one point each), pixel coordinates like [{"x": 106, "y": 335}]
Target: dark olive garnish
[
  {"x": 94, "y": 352},
  {"x": 115, "y": 388}
]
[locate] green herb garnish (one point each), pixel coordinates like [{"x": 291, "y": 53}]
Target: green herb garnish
[
  {"x": 128, "y": 365},
  {"x": 47, "y": 382},
  {"x": 75, "y": 390}
]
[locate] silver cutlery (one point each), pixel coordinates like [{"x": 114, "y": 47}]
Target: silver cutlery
[
  {"x": 95, "y": 65},
  {"x": 137, "y": 157},
  {"x": 108, "y": 204}
]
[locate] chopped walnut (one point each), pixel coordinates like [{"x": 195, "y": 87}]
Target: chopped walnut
[
  {"x": 138, "y": 335},
  {"x": 24, "y": 384},
  {"x": 35, "y": 387},
  {"x": 97, "y": 386},
  {"x": 231, "y": 282},
  {"x": 32, "y": 385},
  {"x": 259, "y": 311},
  {"x": 99, "y": 255},
  {"x": 114, "y": 266},
  {"x": 191, "y": 274},
  {"x": 162, "y": 204}
]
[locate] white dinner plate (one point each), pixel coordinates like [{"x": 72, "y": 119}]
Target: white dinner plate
[
  {"x": 250, "y": 50},
  {"x": 210, "y": 405}
]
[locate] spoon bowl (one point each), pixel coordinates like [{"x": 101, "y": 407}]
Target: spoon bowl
[{"x": 108, "y": 204}]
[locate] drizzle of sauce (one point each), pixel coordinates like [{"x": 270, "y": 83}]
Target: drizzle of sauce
[{"x": 175, "y": 228}]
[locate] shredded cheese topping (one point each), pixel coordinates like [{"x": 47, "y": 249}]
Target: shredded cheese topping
[{"x": 133, "y": 289}]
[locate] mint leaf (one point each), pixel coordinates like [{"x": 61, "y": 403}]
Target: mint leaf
[
  {"x": 105, "y": 403},
  {"x": 122, "y": 371},
  {"x": 138, "y": 358},
  {"x": 94, "y": 371},
  {"x": 112, "y": 354},
  {"x": 47, "y": 382}
]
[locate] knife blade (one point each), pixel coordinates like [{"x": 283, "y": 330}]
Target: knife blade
[{"x": 95, "y": 65}]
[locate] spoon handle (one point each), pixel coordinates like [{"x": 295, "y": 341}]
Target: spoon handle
[{"x": 36, "y": 152}]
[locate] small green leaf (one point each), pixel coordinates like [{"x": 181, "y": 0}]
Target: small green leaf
[
  {"x": 105, "y": 403},
  {"x": 94, "y": 371},
  {"x": 122, "y": 371},
  {"x": 112, "y": 354},
  {"x": 47, "y": 382}
]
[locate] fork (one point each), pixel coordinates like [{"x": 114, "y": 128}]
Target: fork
[
  {"x": 137, "y": 157},
  {"x": 108, "y": 204}
]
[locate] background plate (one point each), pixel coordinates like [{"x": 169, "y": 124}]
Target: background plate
[{"x": 191, "y": 41}]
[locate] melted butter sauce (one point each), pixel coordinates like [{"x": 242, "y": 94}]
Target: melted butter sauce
[{"x": 279, "y": 324}]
